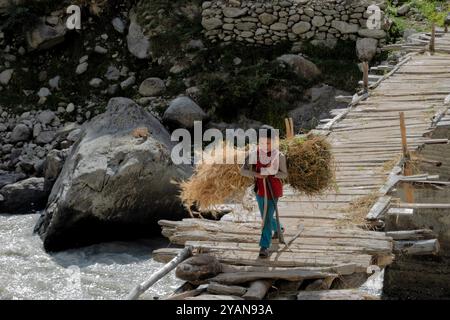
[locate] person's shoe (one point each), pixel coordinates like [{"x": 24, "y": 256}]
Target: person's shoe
[{"x": 263, "y": 253}]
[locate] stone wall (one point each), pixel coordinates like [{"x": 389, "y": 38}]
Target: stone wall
[{"x": 271, "y": 21}]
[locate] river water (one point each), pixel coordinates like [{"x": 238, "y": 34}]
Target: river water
[{"x": 102, "y": 271}]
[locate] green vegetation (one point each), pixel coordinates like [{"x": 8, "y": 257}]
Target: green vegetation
[{"x": 431, "y": 11}]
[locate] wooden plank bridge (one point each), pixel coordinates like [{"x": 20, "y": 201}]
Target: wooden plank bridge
[{"x": 329, "y": 247}]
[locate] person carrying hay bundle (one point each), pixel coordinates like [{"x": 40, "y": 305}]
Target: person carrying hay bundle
[{"x": 268, "y": 171}]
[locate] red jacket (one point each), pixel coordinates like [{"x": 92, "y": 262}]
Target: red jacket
[{"x": 277, "y": 185}]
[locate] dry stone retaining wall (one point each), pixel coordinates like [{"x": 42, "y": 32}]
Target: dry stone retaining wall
[{"x": 271, "y": 21}]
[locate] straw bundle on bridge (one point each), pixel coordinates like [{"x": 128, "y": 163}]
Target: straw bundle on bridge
[{"x": 310, "y": 171}]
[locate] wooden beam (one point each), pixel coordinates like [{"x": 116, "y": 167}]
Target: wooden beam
[
  {"x": 257, "y": 290},
  {"x": 217, "y": 288},
  {"x": 379, "y": 208},
  {"x": 144, "y": 286},
  {"x": 421, "y": 247},
  {"x": 345, "y": 294},
  {"x": 419, "y": 234},
  {"x": 290, "y": 275},
  {"x": 423, "y": 205}
]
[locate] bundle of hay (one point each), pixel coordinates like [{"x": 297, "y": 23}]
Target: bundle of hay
[
  {"x": 214, "y": 184},
  {"x": 310, "y": 164},
  {"x": 310, "y": 171}
]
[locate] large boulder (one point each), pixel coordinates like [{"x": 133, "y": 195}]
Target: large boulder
[
  {"x": 182, "y": 111},
  {"x": 114, "y": 184},
  {"x": 321, "y": 99},
  {"x": 366, "y": 48},
  {"x": 300, "y": 65},
  {"x": 23, "y": 196}
]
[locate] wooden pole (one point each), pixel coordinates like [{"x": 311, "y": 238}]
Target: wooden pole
[
  {"x": 291, "y": 122},
  {"x": 403, "y": 133},
  {"x": 288, "y": 127},
  {"x": 366, "y": 76},
  {"x": 142, "y": 287},
  {"x": 407, "y": 170},
  {"x": 433, "y": 38}
]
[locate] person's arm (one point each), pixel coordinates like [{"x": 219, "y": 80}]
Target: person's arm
[
  {"x": 247, "y": 170},
  {"x": 282, "y": 169}
]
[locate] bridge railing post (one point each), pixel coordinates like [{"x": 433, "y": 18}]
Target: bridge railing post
[
  {"x": 365, "y": 66},
  {"x": 433, "y": 38}
]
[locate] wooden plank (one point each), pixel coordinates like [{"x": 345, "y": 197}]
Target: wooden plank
[
  {"x": 419, "y": 234},
  {"x": 257, "y": 290},
  {"x": 379, "y": 208},
  {"x": 420, "y": 247},
  {"x": 290, "y": 275},
  {"x": 217, "y": 288},
  {"x": 344, "y": 294},
  {"x": 423, "y": 205}
]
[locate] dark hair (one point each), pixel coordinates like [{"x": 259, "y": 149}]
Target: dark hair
[{"x": 269, "y": 132}]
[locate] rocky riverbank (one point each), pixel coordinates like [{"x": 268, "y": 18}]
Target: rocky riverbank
[{"x": 70, "y": 99}]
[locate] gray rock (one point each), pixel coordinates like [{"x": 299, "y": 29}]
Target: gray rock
[
  {"x": 10, "y": 177},
  {"x": 70, "y": 108},
  {"x": 74, "y": 135},
  {"x": 100, "y": 50},
  {"x": 46, "y": 117},
  {"x": 318, "y": 21},
  {"x": 44, "y": 36},
  {"x": 211, "y": 23},
  {"x": 54, "y": 82},
  {"x": 20, "y": 132},
  {"x": 128, "y": 82},
  {"x": 345, "y": 27},
  {"x": 195, "y": 45},
  {"x": 182, "y": 111},
  {"x": 53, "y": 165},
  {"x": 303, "y": 67},
  {"x": 112, "y": 74},
  {"x": 45, "y": 137},
  {"x": 369, "y": 33},
  {"x": 96, "y": 82},
  {"x": 366, "y": 48},
  {"x": 118, "y": 25},
  {"x": 138, "y": 43},
  {"x": 404, "y": 9},
  {"x": 278, "y": 26},
  {"x": 82, "y": 68},
  {"x": 233, "y": 12},
  {"x": 321, "y": 101},
  {"x": 23, "y": 196},
  {"x": 5, "y": 76},
  {"x": 152, "y": 87},
  {"x": 301, "y": 27},
  {"x": 267, "y": 18},
  {"x": 44, "y": 92},
  {"x": 113, "y": 185}
]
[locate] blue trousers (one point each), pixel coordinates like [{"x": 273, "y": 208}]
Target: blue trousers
[{"x": 270, "y": 224}]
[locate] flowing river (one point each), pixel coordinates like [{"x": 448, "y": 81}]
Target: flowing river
[{"x": 102, "y": 271}]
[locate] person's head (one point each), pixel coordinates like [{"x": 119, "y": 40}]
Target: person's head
[{"x": 266, "y": 137}]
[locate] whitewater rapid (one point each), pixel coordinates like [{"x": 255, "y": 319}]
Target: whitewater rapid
[{"x": 102, "y": 271}]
